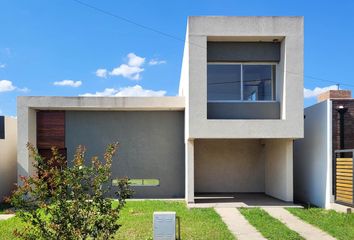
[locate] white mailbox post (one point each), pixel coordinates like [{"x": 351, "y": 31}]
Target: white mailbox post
[{"x": 164, "y": 225}]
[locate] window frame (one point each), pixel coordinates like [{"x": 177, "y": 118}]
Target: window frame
[{"x": 273, "y": 64}]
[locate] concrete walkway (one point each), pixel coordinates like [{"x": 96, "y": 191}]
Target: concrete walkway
[
  {"x": 341, "y": 208},
  {"x": 238, "y": 225},
  {"x": 237, "y": 200},
  {"x": 306, "y": 230},
  {"x": 6, "y": 216}
]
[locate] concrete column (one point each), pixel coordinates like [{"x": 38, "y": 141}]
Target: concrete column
[
  {"x": 279, "y": 169},
  {"x": 26, "y": 120},
  {"x": 189, "y": 196}
]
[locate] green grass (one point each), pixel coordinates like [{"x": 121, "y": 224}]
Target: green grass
[
  {"x": 268, "y": 226},
  {"x": 7, "y": 228},
  {"x": 136, "y": 220},
  {"x": 339, "y": 225}
]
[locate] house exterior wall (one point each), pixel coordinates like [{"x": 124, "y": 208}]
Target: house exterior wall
[
  {"x": 289, "y": 30},
  {"x": 286, "y": 123},
  {"x": 229, "y": 166},
  {"x": 278, "y": 157},
  {"x": 289, "y": 91},
  {"x": 8, "y": 158},
  {"x": 348, "y": 123},
  {"x": 313, "y": 157},
  {"x": 151, "y": 146},
  {"x": 28, "y": 106}
]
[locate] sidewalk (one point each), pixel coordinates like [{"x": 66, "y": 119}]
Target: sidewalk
[
  {"x": 294, "y": 223},
  {"x": 238, "y": 225}
]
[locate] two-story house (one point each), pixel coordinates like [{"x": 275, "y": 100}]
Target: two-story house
[{"x": 230, "y": 130}]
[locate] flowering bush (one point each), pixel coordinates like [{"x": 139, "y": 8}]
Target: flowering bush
[{"x": 68, "y": 202}]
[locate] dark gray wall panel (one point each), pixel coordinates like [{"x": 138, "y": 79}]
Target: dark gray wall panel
[
  {"x": 151, "y": 145},
  {"x": 243, "y": 52},
  {"x": 244, "y": 110},
  {"x": 2, "y": 127}
]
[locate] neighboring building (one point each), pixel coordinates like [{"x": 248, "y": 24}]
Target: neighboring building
[
  {"x": 320, "y": 178},
  {"x": 231, "y": 129},
  {"x": 8, "y": 162}
]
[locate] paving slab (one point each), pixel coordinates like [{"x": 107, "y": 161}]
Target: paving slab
[
  {"x": 6, "y": 216},
  {"x": 341, "y": 208},
  {"x": 237, "y": 200},
  {"x": 305, "y": 229},
  {"x": 238, "y": 225}
]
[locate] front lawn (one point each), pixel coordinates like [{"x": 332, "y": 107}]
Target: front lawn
[
  {"x": 7, "y": 227},
  {"x": 136, "y": 220},
  {"x": 268, "y": 226},
  {"x": 339, "y": 225}
]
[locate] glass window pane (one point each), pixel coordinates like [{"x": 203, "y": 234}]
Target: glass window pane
[
  {"x": 136, "y": 182},
  {"x": 139, "y": 182},
  {"x": 151, "y": 182},
  {"x": 258, "y": 82},
  {"x": 224, "y": 82}
]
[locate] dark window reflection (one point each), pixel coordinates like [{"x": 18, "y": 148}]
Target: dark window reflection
[
  {"x": 224, "y": 82},
  {"x": 257, "y": 82}
]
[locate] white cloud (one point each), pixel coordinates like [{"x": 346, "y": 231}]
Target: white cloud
[
  {"x": 134, "y": 91},
  {"x": 137, "y": 90},
  {"x": 2, "y": 65},
  {"x": 134, "y": 60},
  {"x": 127, "y": 71},
  {"x": 69, "y": 83},
  {"x": 308, "y": 93},
  {"x": 101, "y": 72},
  {"x": 156, "y": 62},
  {"x": 130, "y": 70},
  {"x": 6, "y": 86},
  {"x": 107, "y": 92}
]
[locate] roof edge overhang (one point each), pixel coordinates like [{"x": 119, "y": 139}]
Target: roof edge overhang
[{"x": 102, "y": 103}]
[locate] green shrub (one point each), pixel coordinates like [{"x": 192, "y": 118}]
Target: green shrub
[{"x": 69, "y": 202}]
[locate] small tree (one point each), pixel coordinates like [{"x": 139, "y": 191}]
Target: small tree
[{"x": 69, "y": 202}]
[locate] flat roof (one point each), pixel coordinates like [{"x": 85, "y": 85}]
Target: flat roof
[{"x": 102, "y": 103}]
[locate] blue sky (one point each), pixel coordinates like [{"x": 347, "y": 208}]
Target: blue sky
[{"x": 43, "y": 43}]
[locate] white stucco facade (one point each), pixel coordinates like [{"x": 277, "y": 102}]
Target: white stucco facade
[
  {"x": 200, "y": 30},
  {"x": 278, "y": 134},
  {"x": 313, "y": 157},
  {"x": 240, "y": 144}
]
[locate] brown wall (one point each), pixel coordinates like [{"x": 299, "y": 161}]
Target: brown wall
[{"x": 348, "y": 124}]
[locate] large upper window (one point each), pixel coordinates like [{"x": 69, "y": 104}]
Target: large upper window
[{"x": 241, "y": 82}]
